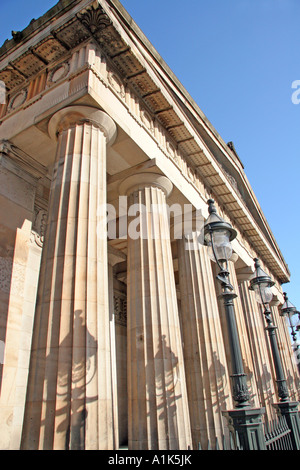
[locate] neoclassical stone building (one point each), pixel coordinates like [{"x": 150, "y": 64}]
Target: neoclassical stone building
[{"x": 120, "y": 339}]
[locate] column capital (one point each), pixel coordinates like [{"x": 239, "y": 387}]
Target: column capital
[
  {"x": 72, "y": 115},
  {"x": 143, "y": 180}
]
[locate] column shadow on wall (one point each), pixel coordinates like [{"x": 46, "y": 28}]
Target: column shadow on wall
[
  {"x": 218, "y": 388},
  {"x": 166, "y": 377},
  {"x": 74, "y": 375},
  {"x": 266, "y": 381}
]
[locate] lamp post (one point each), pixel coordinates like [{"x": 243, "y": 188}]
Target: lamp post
[
  {"x": 246, "y": 421},
  {"x": 289, "y": 310},
  {"x": 262, "y": 284}
]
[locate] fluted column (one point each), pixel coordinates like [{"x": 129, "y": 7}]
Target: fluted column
[
  {"x": 158, "y": 407},
  {"x": 69, "y": 399},
  {"x": 208, "y": 381}
]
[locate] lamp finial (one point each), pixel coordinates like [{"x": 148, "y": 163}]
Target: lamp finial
[{"x": 211, "y": 206}]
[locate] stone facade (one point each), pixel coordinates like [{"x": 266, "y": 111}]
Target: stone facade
[{"x": 112, "y": 339}]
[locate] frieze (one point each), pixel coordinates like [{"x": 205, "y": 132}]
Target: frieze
[
  {"x": 17, "y": 100},
  {"x": 116, "y": 83},
  {"x": 58, "y": 73},
  {"x": 147, "y": 120}
]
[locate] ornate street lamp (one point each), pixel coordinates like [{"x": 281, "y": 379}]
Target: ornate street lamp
[
  {"x": 289, "y": 310},
  {"x": 261, "y": 284},
  {"x": 217, "y": 235}
]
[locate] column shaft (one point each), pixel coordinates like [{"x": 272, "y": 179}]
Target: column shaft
[
  {"x": 69, "y": 399},
  {"x": 158, "y": 407},
  {"x": 207, "y": 376}
]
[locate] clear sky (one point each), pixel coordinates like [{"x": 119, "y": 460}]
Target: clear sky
[{"x": 238, "y": 60}]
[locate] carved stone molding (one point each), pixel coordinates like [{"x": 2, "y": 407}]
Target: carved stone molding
[
  {"x": 94, "y": 19},
  {"x": 58, "y": 73},
  {"x": 147, "y": 120},
  {"x": 116, "y": 83},
  {"x": 23, "y": 160},
  {"x": 39, "y": 226},
  {"x": 17, "y": 100}
]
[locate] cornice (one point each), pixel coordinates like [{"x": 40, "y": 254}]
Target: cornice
[
  {"x": 62, "y": 6},
  {"x": 141, "y": 68}
]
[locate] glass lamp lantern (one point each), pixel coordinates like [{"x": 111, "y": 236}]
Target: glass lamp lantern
[
  {"x": 288, "y": 309},
  {"x": 218, "y": 235},
  {"x": 262, "y": 285}
]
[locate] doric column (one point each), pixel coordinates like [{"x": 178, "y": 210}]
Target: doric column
[
  {"x": 69, "y": 399},
  {"x": 158, "y": 407},
  {"x": 208, "y": 382}
]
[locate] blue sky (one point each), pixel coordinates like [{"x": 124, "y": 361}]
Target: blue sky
[{"x": 238, "y": 60}]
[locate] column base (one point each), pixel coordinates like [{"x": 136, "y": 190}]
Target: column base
[
  {"x": 247, "y": 423},
  {"x": 290, "y": 409}
]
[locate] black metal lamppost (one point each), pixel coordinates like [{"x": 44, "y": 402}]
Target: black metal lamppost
[
  {"x": 289, "y": 310},
  {"x": 246, "y": 421},
  {"x": 262, "y": 284}
]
